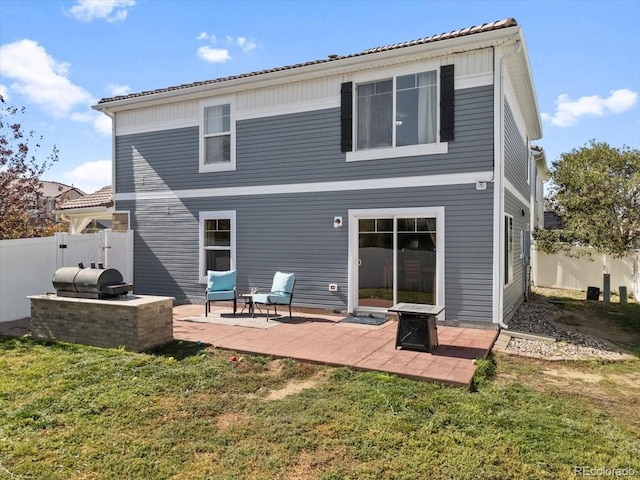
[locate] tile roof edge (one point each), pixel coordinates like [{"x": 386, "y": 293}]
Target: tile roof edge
[{"x": 467, "y": 31}]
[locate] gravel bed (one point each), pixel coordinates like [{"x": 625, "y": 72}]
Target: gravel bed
[{"x": 531, "y": 318}]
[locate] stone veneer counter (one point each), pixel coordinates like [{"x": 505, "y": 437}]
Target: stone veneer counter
[{"x": 135, "y": 322}]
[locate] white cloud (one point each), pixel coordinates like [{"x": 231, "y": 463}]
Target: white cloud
[
  {"x": 4, "y": 92},
  {"x": 214, "y": 55},
  {"x": 207, "y": 36},
  {"x": 41, "y": 79},
  {"x": 116, "y": 89},
  {"x": 246, "y": 45},
  {"x": 568, "y": 112},
  {"x": 102, "y": 124},
  {"x": 109, "y": 10},
  {"x": 90, "y": 176},
  {"x": 221, "y": 55}
]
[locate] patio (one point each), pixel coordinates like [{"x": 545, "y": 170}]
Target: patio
[{"x": 323, "y": 338}]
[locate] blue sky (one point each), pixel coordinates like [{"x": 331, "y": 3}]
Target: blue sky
[{"x": 57, "y": 58}]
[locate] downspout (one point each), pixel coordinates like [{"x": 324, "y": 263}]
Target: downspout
[{"x": 500, "y": 186}]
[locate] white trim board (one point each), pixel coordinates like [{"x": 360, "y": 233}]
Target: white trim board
[
  {"x": 510, "y": 187},
  {"x": 354, "y": 214},
  {"x": 336, "y": 186}
]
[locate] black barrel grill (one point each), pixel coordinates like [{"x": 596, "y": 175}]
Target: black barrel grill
[{"x": 81, "y": 282}]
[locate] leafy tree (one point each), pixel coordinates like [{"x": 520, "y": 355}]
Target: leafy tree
[
  {"x": 20, "y": 173},
  {"x": 596, "y": 193}
]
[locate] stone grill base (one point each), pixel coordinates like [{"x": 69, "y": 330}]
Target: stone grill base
[{"x": 136, "y": 323}]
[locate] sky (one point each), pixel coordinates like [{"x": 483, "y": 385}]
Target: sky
[{"x": 58, "y": 58}]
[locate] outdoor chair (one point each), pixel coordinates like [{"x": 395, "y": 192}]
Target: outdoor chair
[
  {"x": 281, "y": 293},
  {"x": 220, "y": 286}
]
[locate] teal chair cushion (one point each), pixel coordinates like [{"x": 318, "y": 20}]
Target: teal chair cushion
[
  {"x": 221, "y": 281},
  {"x": 223, "y": 295},
  {"x": 281, "y": 298},
  {"x": 283, "y": 283},
  {"x": 281, "y": 290},
  {"x": 260, "y": 298}
]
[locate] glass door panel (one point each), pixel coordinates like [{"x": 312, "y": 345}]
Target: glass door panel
[
  {"x": 407, "y": 245},
  {"x": 416, "y": 252},
  {"x": 375, "y": 262}
]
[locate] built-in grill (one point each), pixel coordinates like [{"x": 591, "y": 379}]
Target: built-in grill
[{"x": 91, "y": 282}]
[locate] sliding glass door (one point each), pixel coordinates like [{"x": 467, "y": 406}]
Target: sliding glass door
[{"x": 397, "y": 260}]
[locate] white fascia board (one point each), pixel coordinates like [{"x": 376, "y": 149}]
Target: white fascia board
[
  {"x": 344, "y": 66},
  {"x": 540, "y": 159},
  {"x": 519, "y": 65},
  {"x": 498, "y": 192},
  {"x": 83, "y": 212}
]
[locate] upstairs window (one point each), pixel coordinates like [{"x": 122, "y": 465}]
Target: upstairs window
[
  {"x": 403, "y": 115},
  {"x": 217, "y": 149},
  {"x": 398, "y": 112}
]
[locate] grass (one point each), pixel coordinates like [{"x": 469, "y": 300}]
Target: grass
[
  {"x": 613, "y": 321},
  {"x": 188, "y": 412}
]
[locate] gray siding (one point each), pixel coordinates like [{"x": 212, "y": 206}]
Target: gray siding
[
  {"x": 514, "y": 292},
  {"x": 516, "y": 153},
  {"x": 302, "y": 147},
  {"x": 295, "y": 233},
  {"x": 516, "y": 164}
]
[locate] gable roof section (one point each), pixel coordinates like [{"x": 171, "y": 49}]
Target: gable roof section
[
  {"x": 480, "y": 36},
  {"x": 486, "y": 27},
  {"x": 56, "y": 189},
  {"x": 101, "y": 198}
]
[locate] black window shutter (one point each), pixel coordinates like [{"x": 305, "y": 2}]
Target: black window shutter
[
  {"x": 346, "y": 116},
  {"x": 446, "y": 103}
]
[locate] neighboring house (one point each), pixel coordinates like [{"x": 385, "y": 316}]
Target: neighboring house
[
  {"x": 94, "y": 209},
  {"x": 401, "y": 173},
  {"x": 50, "y": 195},
  {"x": 540, "y": 175},
  {"x": 83, "y": 211}
]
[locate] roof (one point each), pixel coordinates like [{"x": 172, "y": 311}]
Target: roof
[
  {"x": 101, "y": 198},
  {"x": 485, "y": 27},
  {"x": 56, "y": 189}
]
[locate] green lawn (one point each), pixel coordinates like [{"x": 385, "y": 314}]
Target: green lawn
[{"x": 189, "y": 412}]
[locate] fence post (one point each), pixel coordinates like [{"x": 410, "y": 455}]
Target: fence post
[
  {"x": 60, "y": 246},
  {"x": 104, "y": 244}
]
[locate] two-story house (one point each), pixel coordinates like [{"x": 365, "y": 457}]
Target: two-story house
[{"x": 401, "y": 173}]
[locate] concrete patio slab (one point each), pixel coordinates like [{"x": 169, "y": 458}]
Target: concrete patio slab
[{"x": 322, "y": 338}]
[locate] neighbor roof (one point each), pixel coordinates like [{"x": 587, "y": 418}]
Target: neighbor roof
[
  {"x": 485, "y": 27},
  {"x": 55, "y": 189},
  {"x": 101, "y": 198}
]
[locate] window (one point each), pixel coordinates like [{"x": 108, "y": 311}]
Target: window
[
  {"x": 412, "y": 97},
  {"x": 405, "y": 114},
  {"x": 217, "y": 146},
  {"x": 508, "y": 249},
  {"x": 217, "y": 242}
]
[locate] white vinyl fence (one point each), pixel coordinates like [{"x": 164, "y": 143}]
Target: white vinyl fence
[
  {"x": 27, "y": 265},
  {"x": 562, "y": 271}
]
